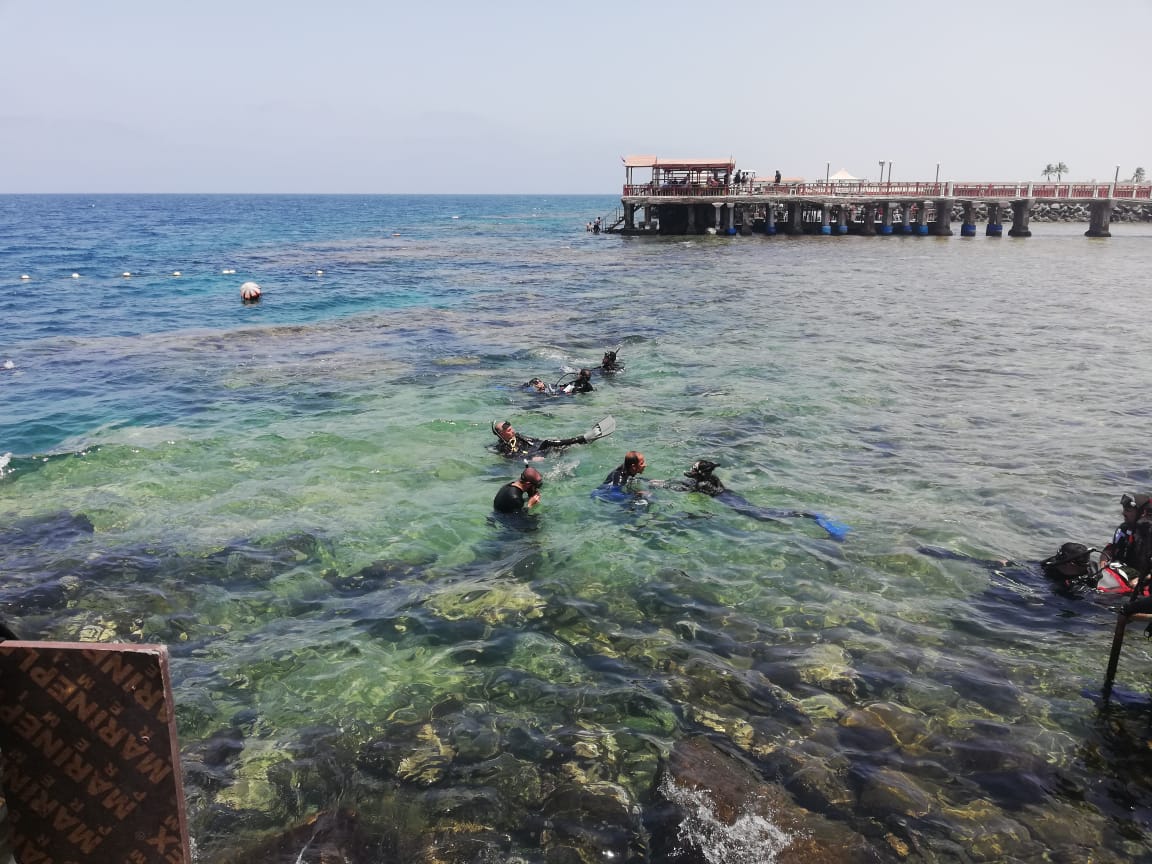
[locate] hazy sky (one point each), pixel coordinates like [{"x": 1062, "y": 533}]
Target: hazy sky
[{"x": 352, "y": 96}]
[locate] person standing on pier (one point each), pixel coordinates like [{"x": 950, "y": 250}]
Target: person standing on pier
[{"x": 777, "y": 176}]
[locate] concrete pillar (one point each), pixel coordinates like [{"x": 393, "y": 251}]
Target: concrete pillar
[
  {"x": 630, "y": 217},
  {"x": 886, "y": 218},
  {"x": 647, "y": 223},
  {"x": 795, "y": 217},
  {"x": 731, "y": 227},
  {"x": 691, "y": 229},
  {"x": 825, "y": 215},
  {"x": 1100, "y": 217},
  {"x": 922, "y": 218},
  {"x": 968, "y": 226},
  {"x": 906, "y": 217},
  {"x": 716, "y": 205},
  {"x": 842, "y": 221},
  {"x": 770, "y": 219},
  {"x": 1020, "y": 212},
  {"x": 943, "y": 217},
  {"x": 994, "y": 229},
  {"x": 868, "y": 226}
]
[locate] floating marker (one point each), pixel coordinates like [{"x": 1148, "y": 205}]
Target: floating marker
[
  {"x": 25, "y": 276},
  {"x": 228, "y": 272},
  {"x": 249, "y": 292},
  {"x": 75, "y": 275},
  {"x": 319, "y": 272},
  {"x": 126, "y": 275},
  {"x": 175, "y": 272}
]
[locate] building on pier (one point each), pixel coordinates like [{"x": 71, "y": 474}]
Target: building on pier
[{"x": 710, "y": 196}]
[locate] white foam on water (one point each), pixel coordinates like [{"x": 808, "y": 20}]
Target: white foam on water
[
  {"x": 751, "y": 839},
  {"x": 8, "y": 364},
  {"x": 4, "y": 460}
]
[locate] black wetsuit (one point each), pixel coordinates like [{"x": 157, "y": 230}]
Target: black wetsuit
[
  {"x": 1139, "y": 557},
  {"x": 581, "y": 385},
  {"x": 1121, "y": 546},
  {"x": 619, "y": 477},
  {"x": 522, "y": 445},
  {"x": 510, "y": 499}
]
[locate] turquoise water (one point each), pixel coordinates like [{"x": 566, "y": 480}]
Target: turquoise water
[{"x": 296, "y": 498}]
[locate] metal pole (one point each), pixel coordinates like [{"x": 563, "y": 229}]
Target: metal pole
[
  {"x": 881, "y": 171},
  {"x": 827, "y": 173},
  {"x": 937, "y": 172},
  {"x": 889, "y": 170},
  {"x": 1117, "y": 178}
]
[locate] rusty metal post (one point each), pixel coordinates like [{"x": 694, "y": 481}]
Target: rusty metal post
[{"x": 1114, "y": 657}]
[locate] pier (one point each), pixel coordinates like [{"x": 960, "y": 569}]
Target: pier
[{"x": 712, "y": 197}]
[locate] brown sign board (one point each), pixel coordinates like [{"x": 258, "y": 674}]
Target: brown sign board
[{"x": 89, "y": 761}]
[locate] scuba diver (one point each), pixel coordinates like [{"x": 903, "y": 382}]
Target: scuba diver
[
  {"x": 1133, "y": 507},
  {"x": 1070, "y": 570},
  {"x": 538, "y": 385},
  {"x": 582, "y": 384},
  {"x": 619, "y": 486},
  {"x": 702, "y": 480},
  {"x": 512, "y": 444},
  {"x": 511, "y": 497},
  {"x": 609, "y": 364}
]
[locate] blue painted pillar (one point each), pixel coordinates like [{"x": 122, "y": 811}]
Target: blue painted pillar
[
  {"x": 825, "y": 226},
  {"x": 886, "y": 218},
  {"x": 995, "y": 228},
  {"x": 842, "y": 221},
  {"x": 968, "y": 226},
  {"x": 770, "y": 219}
]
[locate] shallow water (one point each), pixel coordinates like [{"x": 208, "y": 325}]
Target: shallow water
[{"x": 241, "y": 466}]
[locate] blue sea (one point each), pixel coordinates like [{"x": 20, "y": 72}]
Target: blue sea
[{"x": 295, "y": 497}]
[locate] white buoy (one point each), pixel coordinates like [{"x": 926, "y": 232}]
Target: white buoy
[
  {"x": 249, "y": 292},
  {"x": 126, "y": 275},
  {"x": 175, "y": 272},
  {"x": 228, "y": 272},
  {"x": 75, "y": 275},
  {"x": 8, "y": 364},
  {"x": 25, "y": 276},
  {"x": 319, "y": 272}
]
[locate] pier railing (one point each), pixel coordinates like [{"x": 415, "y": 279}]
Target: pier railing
[{"x": 864, "y": 189}]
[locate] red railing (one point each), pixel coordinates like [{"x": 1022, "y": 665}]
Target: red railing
[{"x": 863, "y": 189}]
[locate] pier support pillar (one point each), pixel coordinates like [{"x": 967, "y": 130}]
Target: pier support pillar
[
  {"x": 770, "y": 219},
  {"x": 795, "y": 217},
  {"x": 630, "y": 217},
  {"x": 868, "y": 226},
  {"x": 842, "y": 221},
  {"x": 825, "y": 219},
  {"x": 647, "y": 223},
  {"x": 943, "y": 217},
  {"x": 922, "y": 218},
  {"x": 886, "y": 218},
  {"x": 994, "y": 229},
  {"x": 691, "y": 229},
  {"x": 906, "y": 217},
  {"x": 968, "y": 226},
  {"x": 716, "y": 205},
  {"x": 1100, "y": 217},
  {"x": 1020, "y": 211},
  {"x": 730, "y": 228}
]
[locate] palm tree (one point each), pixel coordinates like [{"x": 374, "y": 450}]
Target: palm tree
[
  {"x": 1061, "y": 169},
  {"x": 1138, "y": 175},
  {"x": 1048, "y": 171}
]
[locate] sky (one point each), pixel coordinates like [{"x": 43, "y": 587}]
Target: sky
[{"x": 439, "y": 96}]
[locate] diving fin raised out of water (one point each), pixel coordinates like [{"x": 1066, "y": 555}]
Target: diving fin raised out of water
[{"x": 601, "y": 430}]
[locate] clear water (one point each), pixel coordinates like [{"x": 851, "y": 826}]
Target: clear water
[{"x": 240, "y": 465}]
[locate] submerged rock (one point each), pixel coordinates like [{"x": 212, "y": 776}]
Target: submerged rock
[{"x": 724, "y": 810}]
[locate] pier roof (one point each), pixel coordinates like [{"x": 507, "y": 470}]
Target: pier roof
[{"x": 724, "y": 164}]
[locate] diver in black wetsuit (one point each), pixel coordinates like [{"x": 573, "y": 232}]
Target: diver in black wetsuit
[
  {"x": 582, "y": 384},
  {"x": 1069, "y": 569},
  {"x": 608, "y": 363},
  {"x": 512, "y": 444},
  {"x": 538, "y": 385},
  {"x": 701, "y": 479},
  {"x": 511, "y": 497},
  {"x": 1133, "y": 507}
]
